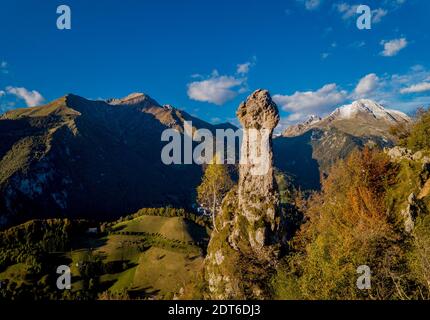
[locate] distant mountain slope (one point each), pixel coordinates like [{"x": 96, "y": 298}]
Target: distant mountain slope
[
  {"x": 81, "y": 158},
  {"x": 98, "y": 159},
  {"x": 318, "y": 142},
  {"x": 361, "y": 118}
]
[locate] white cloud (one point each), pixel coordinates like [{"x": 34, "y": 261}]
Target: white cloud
[
  {"x": 346, "y": 10},
  {"x": 2, "y": 93},
  {"x": 311, "y": 4},
  {"x": 390, "y": 87},
  {"x": 243, "y": 68},
  {"x": 295, "y": 117},
  {"x": 31, "y": 98},
  {"x": 417, "y": 88},
  {"x": 392, "y": 47},
  {"x": 217, "y": 89},
  {"x": 300, "y": 104},
  {"x": 378, "y": 14},
  {"x": 366, "y": 85},
  {"x": 389, "y": 90}
]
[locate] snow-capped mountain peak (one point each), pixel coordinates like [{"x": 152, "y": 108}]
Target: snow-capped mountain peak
[
  {"x": 368, "y": 107},
  {"x": 367, "y": 116},
  {"x": 312, "y": 119}
]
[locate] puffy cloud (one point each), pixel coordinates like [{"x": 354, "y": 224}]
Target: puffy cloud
[
  {"x": 31, "y": 98},
  {"x": 2, "y": 93},
  {"x": 416, "y": 88},
  {"x": 386, "y": 89},
  {"x": 366, "y": 85},
  {"x": 392, "y": 47},
  {"x": 308, "y": 102},
  {"x": 217, "y": 89},
  {"x": 391, "y": 89}
]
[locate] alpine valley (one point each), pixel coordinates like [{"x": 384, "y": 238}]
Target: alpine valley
[
  {"x": 82, "y": 186},
  {"x": 80, "y": 158}
]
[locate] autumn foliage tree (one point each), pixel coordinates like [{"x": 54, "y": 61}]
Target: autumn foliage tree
[
  {"x": 415, "y": 135},
  {"x": 216, "y": 182},
  {"x": 419, "y": 136},
  {"x": 348, "y": 225}
]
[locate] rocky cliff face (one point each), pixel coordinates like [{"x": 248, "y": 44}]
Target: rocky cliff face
[{"x": 250, "y": 223}]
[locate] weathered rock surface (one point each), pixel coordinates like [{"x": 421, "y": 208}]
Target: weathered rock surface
[
  {"x": 400, "y": 153},
  {"x": 250, "y": 224},
  {"x": 409, "y": 213},
  {"x": 418, "y": 165}
]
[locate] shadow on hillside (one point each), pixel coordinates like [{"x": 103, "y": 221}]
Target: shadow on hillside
[
  {"x": 143, "y": 293},
  {"x": 117, "y": 266},
  {"x": 118, "y": 228},
  {"x": 293, "y": 155},
  {"x": 88, "y": 243},
  {"x": 198, "y": 234}
]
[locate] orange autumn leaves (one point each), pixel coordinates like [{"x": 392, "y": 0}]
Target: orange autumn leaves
[{"x": 348, "y": 225}]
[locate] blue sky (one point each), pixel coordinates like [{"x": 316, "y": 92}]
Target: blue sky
[{"x": 206, "y": 56}]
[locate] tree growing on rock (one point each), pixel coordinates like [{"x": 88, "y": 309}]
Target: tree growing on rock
[{"x": 216, "y": 182}]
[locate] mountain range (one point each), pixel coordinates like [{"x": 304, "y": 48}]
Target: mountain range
[
  {"x": 76, "y": 157},
  {"x": 307, "y": 150},
  {"x": 80, "y": 158}
]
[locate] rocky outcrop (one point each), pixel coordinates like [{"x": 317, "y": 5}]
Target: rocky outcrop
[
  {"x": 400, "y": 153},
  {"x": 250, "y": 224},
  {"x": 418, "y": 167},
  {"x": 410, "y": 213},
  {"x": 397, "y": 153}
]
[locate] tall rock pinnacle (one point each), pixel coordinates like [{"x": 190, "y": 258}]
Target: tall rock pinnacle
[
  {"x": 250, "y": 224},
  {"x": 258, "y": 195}
]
